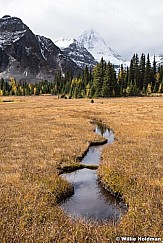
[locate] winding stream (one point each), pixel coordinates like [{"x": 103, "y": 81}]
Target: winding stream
[{"x": 90, "y": 200}]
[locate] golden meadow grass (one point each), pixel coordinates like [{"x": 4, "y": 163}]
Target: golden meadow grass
[{"x": 40, "y": 135}]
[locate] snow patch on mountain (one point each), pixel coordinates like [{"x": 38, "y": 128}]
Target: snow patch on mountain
[
  {"x": 64, "y": 42},
  {"x": 12, "y": 30},
  {"x": 7, "y": 39},
  {"x": 42, "y": 43}
]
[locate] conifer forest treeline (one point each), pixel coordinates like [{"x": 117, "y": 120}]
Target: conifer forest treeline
[{"x": 141, "y": 78}]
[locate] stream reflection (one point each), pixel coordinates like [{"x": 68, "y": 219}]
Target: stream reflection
[{"x": 90, "y": 200}]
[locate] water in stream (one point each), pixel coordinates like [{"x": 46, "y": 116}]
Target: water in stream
[
  {"x": 94, "y": 153},
  {"x": 90, "y": 200}
]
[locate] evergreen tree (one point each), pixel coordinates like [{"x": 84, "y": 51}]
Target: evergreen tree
[
  {"x": 154, "y": 71},
  {"x": 98, "y": 77},
  {"x": 147, "y": 75},
  {"x": 108, "y": 87},
  {"x": 131, "y": 73},
  {"x": 86, "y": 76},
  {"x": 142, "y": 72},
  {"x": 136, "y": 70},
  {"x": 122, "y": 80}
]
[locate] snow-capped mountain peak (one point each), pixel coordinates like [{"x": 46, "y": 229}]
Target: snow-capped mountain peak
[
  {"x": 97, "y": 46},
  {"x": 91, "y": 44},
  {"x": 90, "y": 38}
]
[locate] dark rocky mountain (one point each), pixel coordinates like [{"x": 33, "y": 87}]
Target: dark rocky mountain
[
  {"x": 77, "y": 52},
  {"x": 26, "y": 55}
]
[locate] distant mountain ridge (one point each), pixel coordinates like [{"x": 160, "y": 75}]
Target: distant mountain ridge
[{"x": 26, "y": 55}]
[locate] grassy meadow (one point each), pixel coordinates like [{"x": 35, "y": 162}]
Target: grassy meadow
[{"x": 39, "y": 136}]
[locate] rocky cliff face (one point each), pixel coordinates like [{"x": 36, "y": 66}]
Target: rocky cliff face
[{"x": 25, "y": 55}]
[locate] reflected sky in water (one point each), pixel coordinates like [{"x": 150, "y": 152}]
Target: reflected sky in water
[{"x": 90, "y": 200}]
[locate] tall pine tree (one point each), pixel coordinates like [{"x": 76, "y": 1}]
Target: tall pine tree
[{"x": 98, "y": 77}]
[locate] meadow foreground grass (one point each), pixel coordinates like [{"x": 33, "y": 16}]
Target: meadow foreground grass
[{"x": 42, "y": 135}]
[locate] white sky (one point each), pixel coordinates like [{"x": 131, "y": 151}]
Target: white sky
[{"x": 128, "y": 26}]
